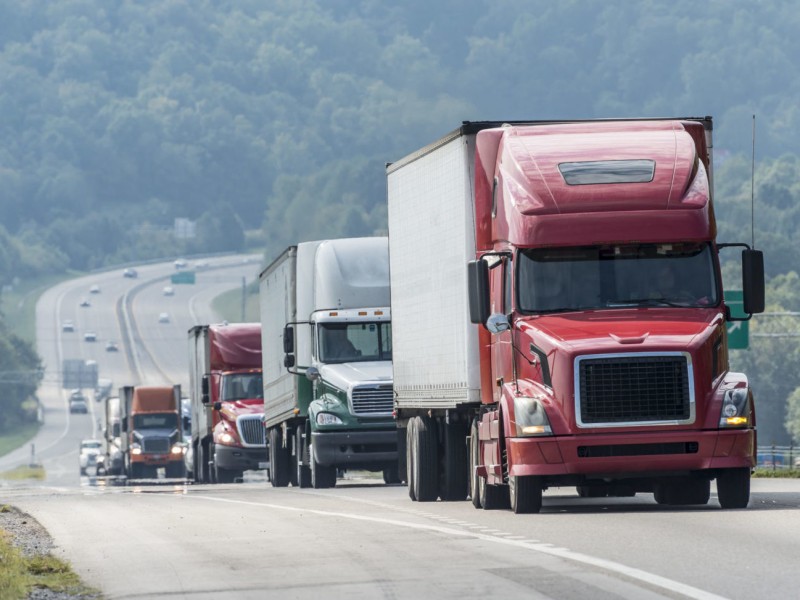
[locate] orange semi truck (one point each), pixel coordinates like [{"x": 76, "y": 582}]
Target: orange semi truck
[{"x": 151, "y": 431}]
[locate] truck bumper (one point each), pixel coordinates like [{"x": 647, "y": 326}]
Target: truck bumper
[
  {"x": 355, "y": 449},
  {"x": 631, "y": 455},
  {"x": 156, "y": 460},
  {"x": 239, "y": 459}
]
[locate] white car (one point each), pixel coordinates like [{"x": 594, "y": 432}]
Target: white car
[
  {"x": 163, "y": 318},
  {"x": 68, "y": 326},
  {"x": 89, "y": 452},
  {"x": 90, "y": 336},
  {"x": 95, "y": 289},
  {"x": 181, "y": 264},
  {"x": 168, "y": 290}
]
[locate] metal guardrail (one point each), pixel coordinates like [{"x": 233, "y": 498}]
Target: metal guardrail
[{"x": 778, "y": 457}]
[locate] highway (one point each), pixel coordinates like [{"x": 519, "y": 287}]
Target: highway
[{"x": 362, "y": 539}]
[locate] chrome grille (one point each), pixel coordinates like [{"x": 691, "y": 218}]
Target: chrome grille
[
  {"x": 634, "y": 389},
  {"x": 251, "y": 430},
  {"x": 155, "y": 445},
  {"x": 372, "y": 399}
]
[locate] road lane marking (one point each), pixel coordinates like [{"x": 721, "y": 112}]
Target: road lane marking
[{"x": 543, "y": 548}]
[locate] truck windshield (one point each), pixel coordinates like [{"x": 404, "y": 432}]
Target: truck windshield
[
  {"x": 241, "y": 386},
  {"x": 354, "y": 342},
  {"x": 616, "y": 276},
  {"x": 155, "y": 421}
]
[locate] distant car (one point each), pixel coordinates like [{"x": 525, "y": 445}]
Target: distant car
[
  {"x": 103, "y": 389},
  {"x": 163, "y": 317},
  {"x": 181, "y": 264},
  {"x": 95, "y": 289},
  {"x": 90, "y": 336},
  {"x": 78, "y": 404},
  {"x": 111, "y": 346},
  {"x": 130, "y": 273},
  {"x": 168, "y": 290},
  {"x": 201, "y": 264},
  {"x": 68, "y": 326},
  {"x": 89, "y": 454},
  {"x": 85, "y": 302}
]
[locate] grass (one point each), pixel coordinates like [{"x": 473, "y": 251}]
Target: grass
[
  {"x": 229, "y": 306},
  {"x": 18, "y": 305},
  {"x": 24, "y": 472},
  {"x": 770, "y": 473},
  {"x": 13, "y": 440},
  {"x": 20, "y": 575}
]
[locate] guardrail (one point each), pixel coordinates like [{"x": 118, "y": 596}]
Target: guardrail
[{"x": 778, "y": 457}]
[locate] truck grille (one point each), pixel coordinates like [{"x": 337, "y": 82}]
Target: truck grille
[
  {"x": 155, "y": 445},
  {"x": 634, "y": 389},
  {"x": 251, "y": 430},
  {"x": 373, "y": 399}
]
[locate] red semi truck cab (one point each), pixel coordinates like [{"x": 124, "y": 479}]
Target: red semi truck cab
[
  {"x": 601, "y": 344},
  {"x": 227, "y": 401}
]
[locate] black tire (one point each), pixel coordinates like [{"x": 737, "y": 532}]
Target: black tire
[
  {"x": 302, "y": 476},
  {"x": 733, "y": 488},
  {"x": 525, "y": 493},
  {"x": 83, "y": 471},
  {"x": 402, "y": 458},
  {"x": 426, "y": 462},
  {"x": 135, "y": 471},
  {"x": 175, "y": 471},
  {"x": 278, "y": 459},
  {"x": 474, "y": 460},
  {"x": 322, "y": 476},
  {"x": 226, "y": 475},
  {"x": 683, "y": 491},
  {"x": 454, "y": 479},
  {"x": 410, "y": 457},
  {"x": 293, "y": 459},
  {"x": 197, "y": 469},
  {"x": 391, "y": 475}
]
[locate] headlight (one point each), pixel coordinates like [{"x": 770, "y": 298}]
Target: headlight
[
  {"x": 227, "y": 439},
  {"x": 136, "y": 448},
  {"x": 324, "y": 418},
  {"x": 735, "y": 409},
  {"x": 178, "y": 449},
  {"x": 531, "y": 420}
]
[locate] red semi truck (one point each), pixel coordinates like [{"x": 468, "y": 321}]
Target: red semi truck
[
  {"x": 566, "y": 326},
  {"x": 227, "y": 401}
]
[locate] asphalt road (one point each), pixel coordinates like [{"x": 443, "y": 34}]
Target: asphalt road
[{"x": 364, "y": 539}]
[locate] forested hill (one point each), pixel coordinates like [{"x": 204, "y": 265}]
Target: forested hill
[{"x": 276, "y": 118}]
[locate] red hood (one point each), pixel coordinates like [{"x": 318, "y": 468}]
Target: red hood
[
  {"x": 236, "y": 408},
  {"x": 621, "y": 330}
]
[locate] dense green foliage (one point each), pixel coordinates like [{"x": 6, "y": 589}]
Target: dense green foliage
[
  {"x": 20, "y": 374},
  {"x": 270, "y": 123}
]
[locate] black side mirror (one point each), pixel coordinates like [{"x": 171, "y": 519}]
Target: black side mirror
[
  {"x": 204, "y": 390},
  {"x": 288, "y": 361},
  {"x": 217, "y": 405},
  {"x": 753, "y": 281},
  {"x": 478, "y": 284},
  {"x": 288, "y": 340}
]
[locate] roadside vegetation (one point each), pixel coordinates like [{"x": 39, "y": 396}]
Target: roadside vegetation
[
  {"x": 21, "y": 575},
  {"x": 229, "y": 305}
]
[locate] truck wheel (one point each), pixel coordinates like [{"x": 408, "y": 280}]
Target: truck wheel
[
  {"x": 202, "y": 464},
  {"x": 402, "y": 458},
  {"x": 135, "y": 471},
  {"x": 733, "y": 488},
  {"x": 454, "y": 477},
  {"x": 226, "y": 475},
  {"x": 278, "y": 459},
  {"x": 175, "y": 471},
  {"x": 426, "y": 462},
  {"x": 322, "y": 476},
  {"x": 303, "y": 471},
  {"x": 525, "y": 493},
  {"x": 474, "y": 454},
  {"x": 391, "y": 475},
  {"x": 682, "y": 491},
  {"x": 83, "y": 471},
  {"x": 410, "y": 457}
]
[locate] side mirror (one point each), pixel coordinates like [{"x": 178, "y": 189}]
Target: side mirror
[
  {"x": 312, "y": 373},
  {"x": 498, "y": 323},
  {"x": 753, "y": 281},
  {"x": 204, "y": 390},
  {"x": 217, "y": 405},
  {"x": 478, "y": 286},
  {"x": 288, "y": 340},
  {"x": 288, "y": 361}
]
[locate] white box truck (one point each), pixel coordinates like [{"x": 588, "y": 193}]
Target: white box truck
[{"x": 327, "y": 349}]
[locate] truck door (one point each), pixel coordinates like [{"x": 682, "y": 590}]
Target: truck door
[{"x": 502, "y": 356}]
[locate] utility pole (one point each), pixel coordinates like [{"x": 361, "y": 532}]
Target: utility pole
[{"x": 244, "y": 296}]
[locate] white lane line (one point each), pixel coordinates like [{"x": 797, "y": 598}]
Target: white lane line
[{"x": 630, "y": 572}]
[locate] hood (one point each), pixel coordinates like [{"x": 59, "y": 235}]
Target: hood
[
  {"x": 154, "y": 432},
  {"x": 236, "y": 408},
  {"x": 347, "y": 375},
  {"x": 621, "y": 330}
]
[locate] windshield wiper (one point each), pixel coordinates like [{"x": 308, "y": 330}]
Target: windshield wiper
[{"x": 644, "y": 302}]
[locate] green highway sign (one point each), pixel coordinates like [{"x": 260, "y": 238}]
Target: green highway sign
[
  {"x": 183, "y": 277},
  {"x": 738, "y": 331}
]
